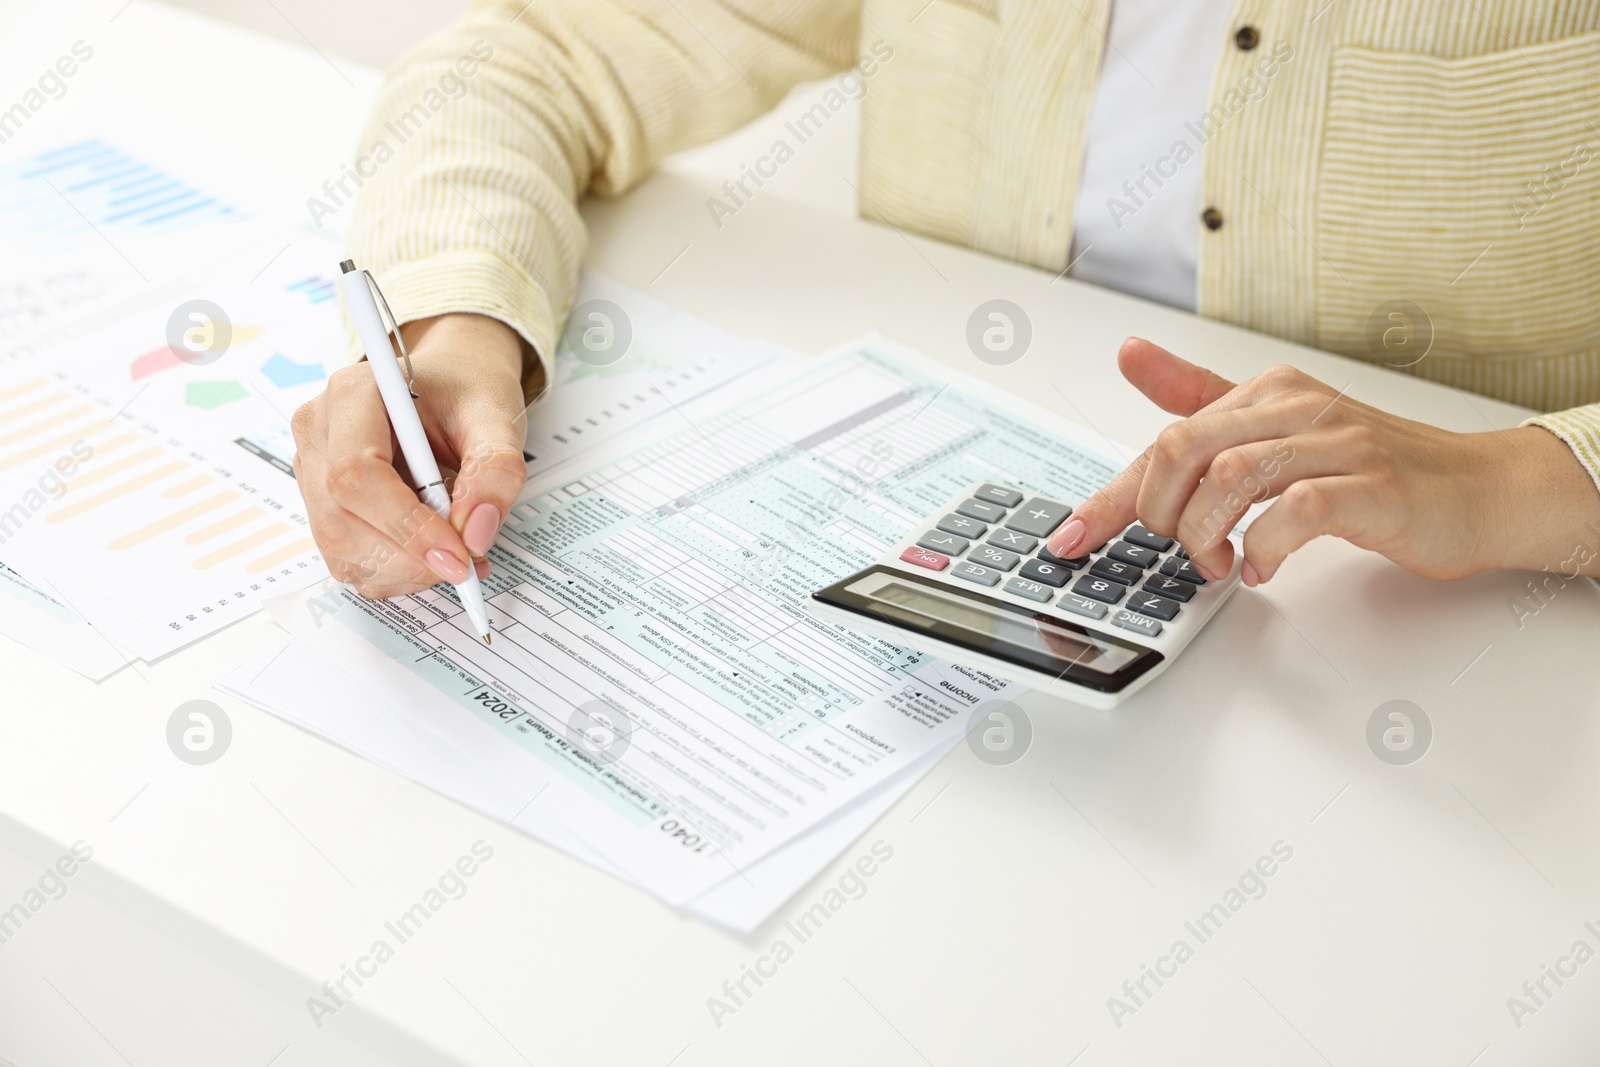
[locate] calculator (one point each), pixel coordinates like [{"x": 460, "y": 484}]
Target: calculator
[{"x": 975, "y": 584}]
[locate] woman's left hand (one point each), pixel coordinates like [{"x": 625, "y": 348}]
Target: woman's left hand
[{"x": 1440, "y": 504}]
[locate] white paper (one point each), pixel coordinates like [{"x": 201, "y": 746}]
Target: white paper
[
  {"x": 297, "y": 684},
  {"x": 152, "y": 491},
  {"x": 663, "y": 582}
]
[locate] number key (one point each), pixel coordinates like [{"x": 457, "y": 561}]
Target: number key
[
  {"x": 1125, "y": 573},
  {"x": 1098, "y": 589},
  {"x": 1150, "y": 604},
  {"x": 1182, "y": 568},
  {"x": 1048, "y": 573},
  {"x": 1135, "y": 554},
  {"x": 1169, "y": 587}
]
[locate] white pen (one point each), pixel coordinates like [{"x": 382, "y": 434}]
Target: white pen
[{"x": 361, "y": 296}]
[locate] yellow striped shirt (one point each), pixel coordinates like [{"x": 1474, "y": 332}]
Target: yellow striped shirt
[{"x": 1411, "y": 183}]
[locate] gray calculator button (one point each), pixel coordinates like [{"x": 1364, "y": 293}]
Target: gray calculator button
[
  {"x": 1125, "y": 573},
  {"x": 999, "y": 494},
  {"x": 1182, "y": 568},
  {"x": 1140, "y": 536},
  {"x": 977, "y": 509},
  {"x": 1049, "y": 573},
  {"x": 1137, "y": 555},
  {"x": 1032, "y": 590},
  {"x": 1169, "y": 587},
  {"x": 949, "y": 544},
  {"x": 962, "y": 526},
  {"x": 1012, "y": 541},
  {"x": 1074, "y": 563},
  {"x": 1082, "y": 606},
  {"x": 974, "y": 573},
  {"x": 1143, "y": 624},
  {"x": 1038, "y": 517},
  {"x": 1098, "y": 589},
  {"x": 998, "y": 558},
  {"x": 1150, "y": 604}
]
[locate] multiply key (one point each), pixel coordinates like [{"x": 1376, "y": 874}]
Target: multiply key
[{"x": 1012, "y": 541}]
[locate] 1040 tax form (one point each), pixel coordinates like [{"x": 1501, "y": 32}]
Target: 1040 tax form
[{"x": 655, "y": 682}]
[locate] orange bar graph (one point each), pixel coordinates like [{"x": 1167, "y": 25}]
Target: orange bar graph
[
  {"x": 282, "y": 555},
  {"x": 35, "y": 404},
  {"x": 244, "y": 544},
  {"x": 78, "y": 481},
  {"x": 72, "y": 511},
  {"x": 168, "y": 522},
  {"x": 25, "y": 387},
  {"x": 217, "y": 529},
  {"x": 115, "y": 443},
  {"x": 40, "y": 427},
  {"x": 45, "y": 447},
  {"x": 185, "y": 488}
]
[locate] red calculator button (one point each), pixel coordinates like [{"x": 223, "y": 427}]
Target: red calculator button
[{"x": 923, "y": 558}]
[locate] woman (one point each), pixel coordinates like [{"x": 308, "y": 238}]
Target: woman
[{"x": 1358, "y": 175}]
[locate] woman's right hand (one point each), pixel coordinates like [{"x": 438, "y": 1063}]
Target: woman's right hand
[{"x": 375, "y": 533}]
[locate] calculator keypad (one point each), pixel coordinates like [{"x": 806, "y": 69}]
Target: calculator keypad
[{"x": 1136, "y": 582}]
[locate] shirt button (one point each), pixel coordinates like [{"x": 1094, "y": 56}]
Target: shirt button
[
  {"x": 1247, "y": 38},
  {"x": 1212, "y": 218}
]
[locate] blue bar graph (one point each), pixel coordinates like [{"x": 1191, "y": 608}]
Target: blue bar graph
[{"x": 52, "y": 198}]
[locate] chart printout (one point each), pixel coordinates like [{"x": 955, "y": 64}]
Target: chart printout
[
  {"x": 150, "y": 489},
  {"x": 655, "y": 678}
]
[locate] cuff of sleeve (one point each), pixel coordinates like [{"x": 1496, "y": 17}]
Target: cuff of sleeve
[
  {"x": 1579, "y": 429},
  {"x": 482, "y": 283}
]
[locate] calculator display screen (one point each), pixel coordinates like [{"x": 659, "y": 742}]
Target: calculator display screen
[
  {"x": 1038, "y": 634},
  {"x": 970, "y": 620}
]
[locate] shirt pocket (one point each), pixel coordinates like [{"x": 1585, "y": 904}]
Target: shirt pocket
[
  {"x": 925, "y": 118},
  {"x": 1458, "y": 217}
]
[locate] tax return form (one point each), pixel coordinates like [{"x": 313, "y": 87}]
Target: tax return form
[{"x": 658, "y": 585}]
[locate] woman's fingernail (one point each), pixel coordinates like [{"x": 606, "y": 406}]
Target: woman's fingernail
[
  {"x": 482, "y": 525},
  {"x": 1067, "y": 538},
  {"x": 1251, "y": 576},
  {"x": 446, "y": 566}
]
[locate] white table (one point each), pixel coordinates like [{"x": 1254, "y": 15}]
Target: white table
[{"x": 1018, "y": 898}]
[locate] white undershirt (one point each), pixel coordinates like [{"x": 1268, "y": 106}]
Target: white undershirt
[{"x": 1156, "y": 76}]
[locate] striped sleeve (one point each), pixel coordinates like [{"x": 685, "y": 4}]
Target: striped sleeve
[
  {"x": 485, "y": 137},
  {"x": 1580, "y": 429}
]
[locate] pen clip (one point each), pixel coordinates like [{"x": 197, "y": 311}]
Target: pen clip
[{"x": 411, "y": 374}]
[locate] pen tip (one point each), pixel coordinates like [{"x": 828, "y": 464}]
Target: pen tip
[{"x": 487, "y": 640}]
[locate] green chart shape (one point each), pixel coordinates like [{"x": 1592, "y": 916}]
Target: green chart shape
[{"x": 210, "y": 395}]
